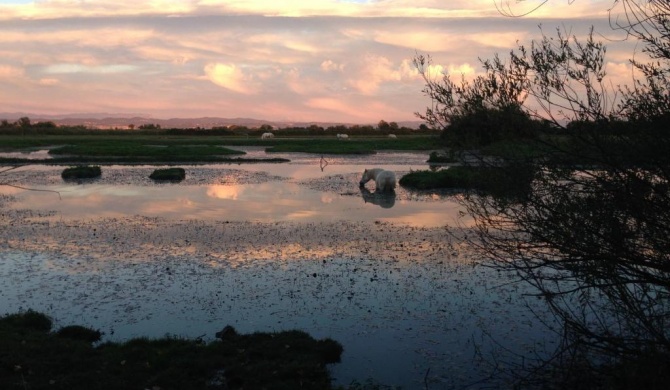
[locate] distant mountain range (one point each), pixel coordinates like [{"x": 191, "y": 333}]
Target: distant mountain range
[{"x": 123, "y": 121}]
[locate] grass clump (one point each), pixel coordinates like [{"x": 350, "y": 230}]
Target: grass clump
[
  {"x": 81, "y": 172},
  {"x": 452, "y": 178},
  {"x": 497, "y": 181},
  {"x": 34, "y": 357},
  {"x": 136, "y": 148},
  {"x": 171, "y": 174}
]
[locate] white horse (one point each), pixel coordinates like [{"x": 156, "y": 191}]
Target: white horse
[
  {"x": 384, "y": 180},
  {"x": 267, "y": 136},
  {"x": 392, "y": 136}
]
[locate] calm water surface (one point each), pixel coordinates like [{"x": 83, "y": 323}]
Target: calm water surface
[
  {"x": 420, "y": 312},
  {"x": 296, "y": 191}
]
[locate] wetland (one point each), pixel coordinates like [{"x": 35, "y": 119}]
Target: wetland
[{"x": 267, "y": 248}]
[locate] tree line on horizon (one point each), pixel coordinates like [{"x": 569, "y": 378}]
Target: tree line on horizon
[{"x": 25, "y": 126}]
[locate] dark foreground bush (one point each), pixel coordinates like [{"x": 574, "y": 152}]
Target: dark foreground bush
[
  {"x": 484, "y": 126},
  {"x": 81, "y": 172},
  {"x": 28, "y": 321},
  {"x": 32, "y": 357},
  {"x": 173, "y": 174},
  {"x": 81, "y": 333}
]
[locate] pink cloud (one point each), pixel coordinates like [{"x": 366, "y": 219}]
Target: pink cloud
[
  {"x": 351, "y": 63},
  {"x": 230, "y": 77}
]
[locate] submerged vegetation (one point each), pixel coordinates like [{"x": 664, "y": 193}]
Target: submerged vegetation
[{"x": 32, "y": 356}]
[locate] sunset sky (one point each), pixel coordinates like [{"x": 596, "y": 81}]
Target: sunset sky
[{"x": 346, "y": 61}]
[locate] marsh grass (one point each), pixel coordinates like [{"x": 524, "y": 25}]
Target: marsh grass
[
  {"x": 34, "y": 357},
  {"x": 81, "y": 172},
  {"x": 108, "y": 148},
  {"x": 353, "y": 145},
  {"x": 322, "y": 147},
  {"x": 453, "y": 178},
  {"x": 130, "y": 148},
  {"x": 171, "y": 174},
  {"x": 498, "y": 181}
]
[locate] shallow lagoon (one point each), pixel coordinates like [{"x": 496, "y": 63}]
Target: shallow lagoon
[{"x": 269, "y": 247}]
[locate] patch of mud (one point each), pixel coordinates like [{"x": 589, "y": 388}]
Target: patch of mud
[
  {"x": 6, "y": 199},
  {"x": 14, "y": 217},
  {"x": 222, "y": 243}
]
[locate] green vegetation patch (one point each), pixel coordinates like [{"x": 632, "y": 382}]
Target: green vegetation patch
[
  {"x": 172, "y": 174},
  {"x": 157, "y": 150},
  {"x": 502, "y": 181},
  {"x": 319, "y": 145},
  {"x": 165, "y": 147},
  {"x": 81, "y": 172},
  {"x": 34, "y": 357},
  {"x": 323, "y": 146},
  {"x": 454, "y": 177}
]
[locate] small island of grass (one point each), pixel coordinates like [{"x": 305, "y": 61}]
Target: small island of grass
[
  {"x": 454, "y": 177},
  {"x": 500, "y": 181},
  {"x": 169, "y": 174},
  {"x": 81, "y": 172}
]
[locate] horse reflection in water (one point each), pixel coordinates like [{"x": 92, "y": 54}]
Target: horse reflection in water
[{"x": 384, "y": 200}]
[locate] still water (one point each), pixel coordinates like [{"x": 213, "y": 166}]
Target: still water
[
  {"x": 307, "y": 189},
  {"x": 269, "y": 247}
]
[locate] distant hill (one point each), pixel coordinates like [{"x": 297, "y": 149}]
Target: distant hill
[{"x": 122, "y": 121}]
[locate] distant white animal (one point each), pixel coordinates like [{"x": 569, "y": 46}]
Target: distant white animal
[
  {"x": 267, "y": 136},
  {"x": 342, "y": 136},
  {"x": 384, "y": 180},
  {"x": 392, "y": 136}
]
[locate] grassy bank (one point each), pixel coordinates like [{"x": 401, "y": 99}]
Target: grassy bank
[
  {"x": 128, "y": 148},
  {"x": 32, "y": 356}
]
